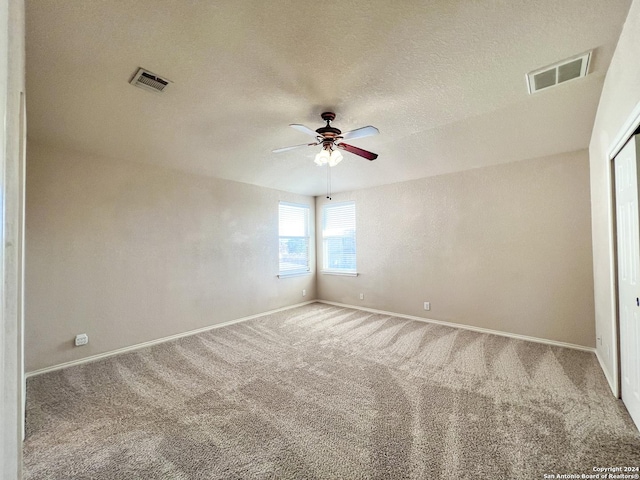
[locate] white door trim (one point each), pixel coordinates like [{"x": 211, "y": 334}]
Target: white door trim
[
  {"x": 11, "y": 190},
  {"x": 614, "y": 377},
  {"x": 625, "y": 133}
]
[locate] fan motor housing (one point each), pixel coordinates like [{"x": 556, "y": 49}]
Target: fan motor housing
[{"x": 328, "y": 131}]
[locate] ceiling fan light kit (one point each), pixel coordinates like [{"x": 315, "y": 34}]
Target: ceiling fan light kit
[
  {"x": 331, "y": 140},
  {"x": 328, "y": 157}
]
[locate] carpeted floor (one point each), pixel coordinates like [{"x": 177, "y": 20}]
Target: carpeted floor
[{"x": 325, "y": 392}]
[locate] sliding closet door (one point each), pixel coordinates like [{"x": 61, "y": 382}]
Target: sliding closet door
[{"x": 628, "y": 238}]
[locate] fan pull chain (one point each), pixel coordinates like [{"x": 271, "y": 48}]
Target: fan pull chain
[{"x": 328, "y": 182}]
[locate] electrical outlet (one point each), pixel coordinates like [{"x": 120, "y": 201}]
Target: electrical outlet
[
  {"x": 82, "y": 339},
  {"x": 362, "y": 296},
  {"x": 304, "y": 293},
  {"x": 427, "y": 305}
]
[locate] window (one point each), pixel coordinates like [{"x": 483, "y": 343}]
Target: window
[
  {"x": 294, "y": 239},
  {"x": 339, "y": 238}
]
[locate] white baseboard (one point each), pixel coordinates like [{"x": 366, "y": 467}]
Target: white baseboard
[
  {"x": 607, "y": 375},
  {"x": 150, "y": 343},
  {"x": 466, "y": 327}
]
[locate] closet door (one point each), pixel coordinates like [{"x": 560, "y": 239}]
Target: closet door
[{"x": 628, "y": 238}]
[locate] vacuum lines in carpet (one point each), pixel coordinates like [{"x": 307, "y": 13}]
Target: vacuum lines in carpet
[{"x": 323, "y": 392}]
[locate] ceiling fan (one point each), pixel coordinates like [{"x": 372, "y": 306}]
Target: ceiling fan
[{"x": 331, "y": 139}]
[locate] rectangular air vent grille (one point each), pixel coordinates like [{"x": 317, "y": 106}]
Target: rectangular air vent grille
[
  {"x": 149, "y": 81},
  {"x": 569, "y": 69}
]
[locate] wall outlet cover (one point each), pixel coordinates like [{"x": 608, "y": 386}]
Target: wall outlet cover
[{"x": 82, "y": 339}]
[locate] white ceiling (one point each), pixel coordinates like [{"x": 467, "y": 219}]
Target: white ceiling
[{"x": 443, "y": 80}]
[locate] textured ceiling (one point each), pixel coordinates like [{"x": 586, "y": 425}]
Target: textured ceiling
[{"x": 444, "y": 81}]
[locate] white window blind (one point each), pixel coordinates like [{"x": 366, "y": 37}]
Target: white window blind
[
  {"x": 339, "y": 237},
  {"x": 294, "y": 239}
]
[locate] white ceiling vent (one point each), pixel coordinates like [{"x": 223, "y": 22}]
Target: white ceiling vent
[
  {"x": 149, "y": 81},
  {"x": 574, "y": 67}
]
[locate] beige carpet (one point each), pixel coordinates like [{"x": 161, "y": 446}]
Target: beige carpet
[{"x": 325, "y": 392}]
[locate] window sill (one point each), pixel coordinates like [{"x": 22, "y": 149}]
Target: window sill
[
  {"x": 343, "y": 274},
  {"x": 295, "y": 274}
]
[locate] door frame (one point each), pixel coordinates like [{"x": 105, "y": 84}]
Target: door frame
[
  {"x": 626, "y": 132},
  {"x": 12, "y": 149}
]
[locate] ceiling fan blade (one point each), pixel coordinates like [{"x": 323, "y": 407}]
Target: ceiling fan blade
[
  {"x": 357, "y": 151},
  {"x": 303, "y": 129},
  {"x": 361, "y": 132},
  {"x": 284, "y": 149}
]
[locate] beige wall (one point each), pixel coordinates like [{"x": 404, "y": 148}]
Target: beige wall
[
  {"x": 130, "y": 253},
  {"x": 505, "y": 247},
  {"x": 620, "y": 97}
]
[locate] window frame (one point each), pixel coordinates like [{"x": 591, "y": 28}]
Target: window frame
[
  {"x": 307, "y": 228},
  {"x": 325, "y": 242}
]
